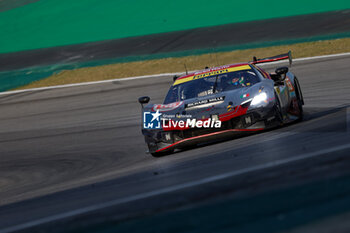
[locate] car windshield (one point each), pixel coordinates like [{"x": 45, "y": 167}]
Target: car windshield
[{"x": 211, "y": 85}]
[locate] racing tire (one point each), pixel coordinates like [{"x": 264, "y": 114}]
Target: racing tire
[
  {"x": 278, "y": 111},
  {"x": 300, "y": 98},
  {"x": 161, "y": 154}
]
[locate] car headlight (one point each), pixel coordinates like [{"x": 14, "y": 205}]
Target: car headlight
[{"x": 258, "y": 99}]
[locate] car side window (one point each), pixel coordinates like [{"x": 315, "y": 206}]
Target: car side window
[{"x": 261, "y": 75}]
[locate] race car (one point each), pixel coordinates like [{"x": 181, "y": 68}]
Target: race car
[{"x": 217, "y": 102}]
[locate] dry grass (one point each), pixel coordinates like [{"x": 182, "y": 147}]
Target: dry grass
[{"x": 167, "y": 65}]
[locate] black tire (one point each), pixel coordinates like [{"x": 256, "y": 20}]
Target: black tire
[
  {"x": 300, "y": 98},
  {"x": 156, "y": 154},
  {"x": 300, "y": 93},
  {"x": 278, "y": 110},
  {"x": 161, "y": 154}
]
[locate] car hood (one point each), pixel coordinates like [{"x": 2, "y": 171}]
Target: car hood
[{"x": 204, "y": 107}]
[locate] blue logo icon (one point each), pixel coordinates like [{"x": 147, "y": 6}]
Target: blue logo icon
[{"x": 151, "y": 120}]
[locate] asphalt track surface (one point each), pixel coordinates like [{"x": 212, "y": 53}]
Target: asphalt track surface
[
  {"x": 71, "y": 151},
  {"x": 210, "y": 39}
]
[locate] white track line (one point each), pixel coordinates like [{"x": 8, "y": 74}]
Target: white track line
[
  {"x": 155, "y": 75},
  {"x": 172, "y": 189}
]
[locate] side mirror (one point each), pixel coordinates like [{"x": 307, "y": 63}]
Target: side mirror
[
  {"x": 144, "y": 100},
  {"x": 280, "y": 75},
  {"x": 281, "y": 70}
]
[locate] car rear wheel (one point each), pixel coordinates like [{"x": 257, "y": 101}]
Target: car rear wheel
[{"x": 300, "y": 98}]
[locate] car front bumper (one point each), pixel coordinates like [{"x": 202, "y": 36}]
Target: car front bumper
[{"x": 163, "y": 141}]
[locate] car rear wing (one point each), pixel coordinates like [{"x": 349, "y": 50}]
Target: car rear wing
[{"x": 274, "y": 58}]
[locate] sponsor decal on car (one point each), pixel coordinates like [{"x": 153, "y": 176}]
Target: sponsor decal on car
[
  {"x": 202, "y": 103},
  {"x": 278, "y": 90},
  {"x": 210, "y": 73},
  {"x": 245, "y": 95},
  {"x": 289, "y": 84},
  {"x": 166, "y": 107}
]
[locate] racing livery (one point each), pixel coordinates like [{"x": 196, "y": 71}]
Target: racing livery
[{"x": 217, "y": 102}]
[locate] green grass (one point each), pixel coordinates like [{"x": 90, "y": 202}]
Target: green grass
[
  {"x": 49, "y": 23},
  {"x": 193, "y": 62}
]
